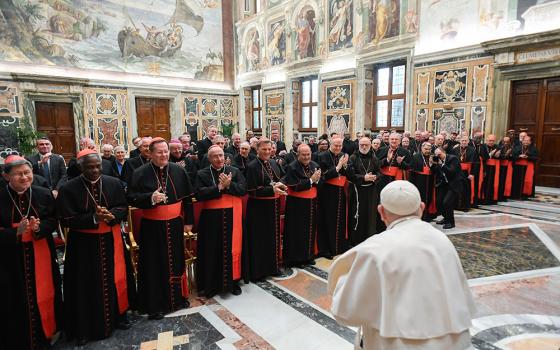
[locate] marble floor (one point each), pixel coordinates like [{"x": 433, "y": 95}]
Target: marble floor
[{"x": 510, "y": 253}]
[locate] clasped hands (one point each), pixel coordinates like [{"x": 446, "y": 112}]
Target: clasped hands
[
  {"x": 316, "y": 176},
  {"x": 390, "y": 156},
  {"x": 225, "y": 181},
  {"x": 370, "y": 177},
  {"x": 342, "y": 162},
  {"x": 159, "y": 197},
  {"x": 103, "y": 214},
  {"x": 32, "y": 223},
  {"x": 280, "y": 188}
]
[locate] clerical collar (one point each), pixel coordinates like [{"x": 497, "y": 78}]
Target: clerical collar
[
  {"x": 159, "y": 167},
  {"x": 18, "y": 193},
  {"x": 90, "y": 181},
  {"x": 217, "y": 170},
  {"x": 403, "y": 219}
]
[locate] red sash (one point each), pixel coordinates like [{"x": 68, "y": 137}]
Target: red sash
[
  {"x": 307, "y": 194},
  {"x": 163, "y": 212},
  {"x": 467, "y": 167},
  {"x": 529, "y": 174},
  {"x": 44, "y": 285},
  {"x": 118, "y": 258},
  {"x": 496, "y": 164},
  {"x": 229, "y": 201},
  {"x": 509, "y": 175},
  {"x": 339, "y": 181},
  {"x": 395, "y": 172},
  {"x": 480, "y": 177},
  {"x": 430, "y": 207}
]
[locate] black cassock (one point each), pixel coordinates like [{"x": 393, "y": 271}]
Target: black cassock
[
  {"x": 215, "y": 260},
  {"x": 131, "y": 165},
  {"x": 90, "y": 291},
  {"x": 506, "y": 171},
  {"x": 520, "y": 166},
  {"x": 390, "y": 166},
  {"x": 490, "y": 181},
  {"x": 422, "y": 175},
  {"x": 300, "y": 220},
  {"x": 23, "y": 328},
  {"x": 364, "y": 198},
  {"x": 263, "y": 237},
  {"x": 331, "y": 239},
  {"x": 467, "y": 158},
  {"x": 161, "y": 260},
  {"x": 241, "y": 163}
]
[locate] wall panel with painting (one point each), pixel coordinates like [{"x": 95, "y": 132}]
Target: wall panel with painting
[
  {"x": 454, "y": 97},
  {"x": 338, "y": 106},
  {"x": 200, "y": 111}
]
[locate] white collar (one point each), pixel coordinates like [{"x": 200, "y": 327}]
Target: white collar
[{"x": 401, "y": 220}]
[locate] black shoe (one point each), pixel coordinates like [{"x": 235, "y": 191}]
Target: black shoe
[
  {"x": 441, "y": 222},
  {"x": 81, "y": 342},
  {"x": 447, "y": 226},
  {"x": 156, "y": 316},
  {"x": 236, "y": 289},
  {"x": 124, "y": 322},
  {"x": 311, "y": 262}
]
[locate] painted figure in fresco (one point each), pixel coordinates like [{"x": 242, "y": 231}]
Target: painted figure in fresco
[
  {"x": 277, "y": 44},
  {"x": 253, "y": 51},
  {"x": 411, "y": 20},
  {"x": 341, "y": 23},
  {"x": 305, "y": 27},
  {"x": 385, "y": 19}
]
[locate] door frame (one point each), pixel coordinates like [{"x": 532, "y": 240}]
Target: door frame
[
  {"x": 176, "y": 126},
  {"x": 76, "y": 100}
]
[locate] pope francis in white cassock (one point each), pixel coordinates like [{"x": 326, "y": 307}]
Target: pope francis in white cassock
[{"x": 404, "y": 288}]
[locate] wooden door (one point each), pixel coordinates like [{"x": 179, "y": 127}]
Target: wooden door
[
  {"x": 535, "y": 109},
  {"x": 152, "y": 116},
  {"x": 56, "y": 121}
]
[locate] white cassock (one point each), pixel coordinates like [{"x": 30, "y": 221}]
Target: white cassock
[{"x": 405, "y": 289}]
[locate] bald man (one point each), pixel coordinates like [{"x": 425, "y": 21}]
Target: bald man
[
  {"x": 203, "y": 145},
  {"x": 394, "y": 161},
  {"x": 135, "y": 163},
  {"x": 490, "y": 153},
  {"x": 404, "y": 288},
  {"x": 300, "y": 229},
  {"x": 73, "y": 169},
  {"x": 335, "y": 167},
  {"x": 219, "y": 188}
]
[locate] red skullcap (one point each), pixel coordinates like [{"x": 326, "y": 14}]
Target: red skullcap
[
  {"x": 15, "y": 159},
  {"x": 85, "y": 152}
]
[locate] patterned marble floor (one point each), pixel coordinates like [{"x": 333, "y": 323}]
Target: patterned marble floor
[{"x": 510, "y": 253}]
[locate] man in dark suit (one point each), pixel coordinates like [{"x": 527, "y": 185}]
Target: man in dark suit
[
  {"x": 134, "y": 163},
  {"x": 49, "y": 165},
  {"x": 449, "y": 184},
  {"x": 233, "y": 149},
  {"x": 137, "y": 141},
  {"x": 275, "y": 138},
  {"x": 203, "y": 145}
]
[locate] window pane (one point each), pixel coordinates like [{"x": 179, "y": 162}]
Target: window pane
[
  {"x": 381, "y": 114},
  {"x": 305, "y": 118},
  {"x": 315, "y": 90},
  {"x": 398, "y": 80},
  {"x": 383, "y": 82},
  {"x": 256, "y": 98},
  {"x": 256, "y": 120},
  {"x": 247, "y": 6},
  {"x": 314, "y": 116},
  {"x": 397, "y": 112},
  {"x": 257, "y": 6},
  {"x": 305, "y": 91}
]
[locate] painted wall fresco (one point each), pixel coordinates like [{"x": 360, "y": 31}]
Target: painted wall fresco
[
  {"x": 107, "y": 116},
  {"x": 200, "y": 111},
  {"x": 341, "y": 24},
  {"x": 276, "y": 43},
  {"x": 448, "y": 24},
  {"x": 253, "y": 54},
  {"x": 453, "y": 97},
  {"x": 384, "y": 19},
  {"x": 306, "y": 28},
  {"x": 177, "y": 38}
]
